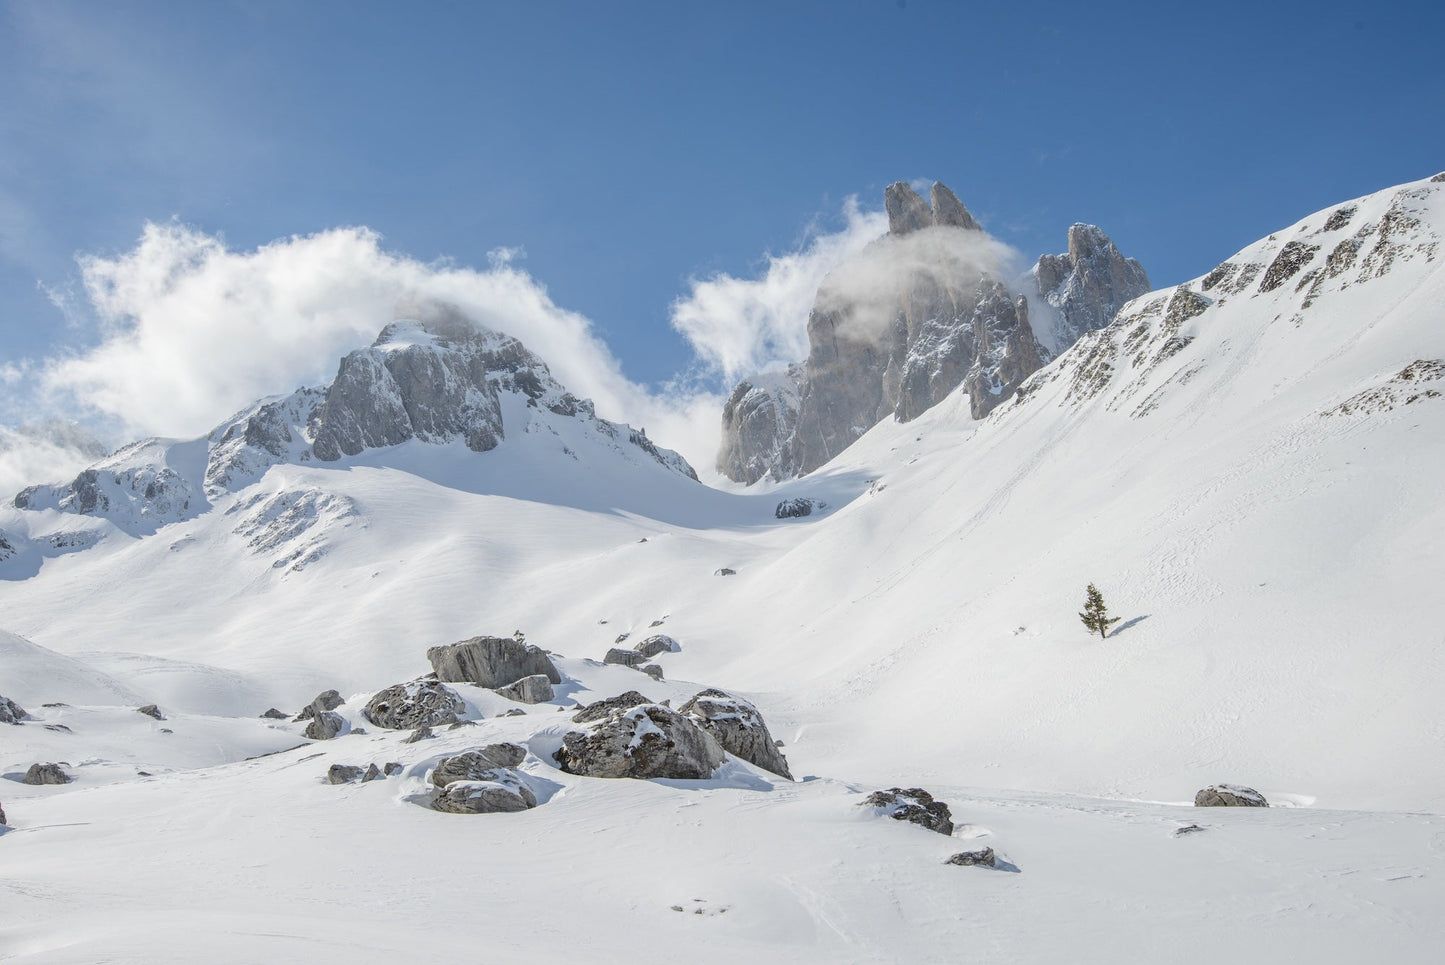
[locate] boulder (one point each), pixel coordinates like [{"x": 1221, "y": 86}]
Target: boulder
[
  {"x": 46, "y": 774},
  {"x": 652, "y": 670},
  {"x": 392, "y": 767},
  {"x": 627, "y": 658},
  {"x": 273, "y": 714},
  {"x": 643, "y": 740},
  {"x": 528, "y": 690},
  {"x": 11, "y": 712},
  {"x": 151, "y": 710},
  {"x": 474, "y": 765},
  {"x": 502, "y": 791},
  {"x": 604, "y": 708},
  {"x": 914, "y": 805},
  {"x": 326, "y": 700},
  {"x": 420, "y": 734},
  {"x": 1229, "y": 796},
  {"x": 418, "y": 703},
  {"x": 491, "y": 662},
  {"x": 373, "y": 773},
  {"x": 325, "y": 726},
  {"x": 3, "y": 820},
  {"x": 738, "y": 727},
  {"x": 970, "y": 858},
  {"x": 794, "y": 508},
  {"x": 655, "y": 644},
  {"x": 343, "y": 774},
  {"x": 725, "y": 571}
]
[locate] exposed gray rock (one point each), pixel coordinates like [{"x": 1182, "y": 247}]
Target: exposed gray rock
[
  {"x": 326, "y": 700},
  {"x": 325, "y": 726},
  {"x": 474, "y": 764},
  {"x": 392, "y": 767},
  {"x": 759, "y": 421},
  {"x": 652, "y": 670},
  {"x": 518, "y": 712},
  {"x": 417, "y": 703},
  {"x": 529, "y": 690},
  {"x": 907, "y": 211},
  {"x": 46, "y": 774},
  {"x": 1005, "y": 350},
  {"x": 151, "y": 710},
  {"x": 498, "y": 791},
  {"x": 3, "y": 820},
  {"x": 738, "y": 726},
  {"x": 644, "y": 740},
  {"x": 1229, "y": 796},
  {"x": 343, "y": 773},
  {"x": 58, "y": 728},
  {"x": 984, "y": 858},
  {"x": 603, "y": 709},
  {"x": 274, "y": 714},
  {"x": 794, "y": 508},
  {"x": 491, "y": 662},
  {"x": 914, "y": 805},
  {"x": 11, "y": 712},
  {"x": 373, "y": 773},
  {"x": 1291, "y": 258},
  {"x": 1089, "y": 284},
  {"x": 725, "y": 571},
  {"x": 420, "y": 734},
  {"x": 627, "y": 658},
  {"x": 620, "y": 637},
  {"x": 655, "y": 644}
]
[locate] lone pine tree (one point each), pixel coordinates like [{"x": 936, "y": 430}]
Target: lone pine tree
[{"x": 1096, "y": 614}]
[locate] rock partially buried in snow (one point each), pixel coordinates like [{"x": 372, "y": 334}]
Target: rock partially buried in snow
[
  {"x": 655, "y": 644},
  {"x": 46, "y": 774},
  {"x": 627, "y": 658},
  {"x": 471, "y": 765},
  {"x": 151, "y": 710},
  {"x": 482, "y": 781},
  {"x": 419, "y": 703},
  {"x": 638, "y": 740},
  {"x": 984, "y": 858},
  {"x": 274, "y": 714},
  {"x": 326, "y": 700},
  {"x": 738, "y": 726},
  {"x": 912, "y": 804},
  {"x": 373, "y": 773},
  {"x": 491, "y": 662},
  {"x": 725, "y": 571},
  {"x": 325, "y": 726},
  {"x": 794, "y": 508},
  {"x": 11, "y": 712},
  {"x": 343, "y": 774},
  {"x": 420, "y": 734},
  {"x": 1229, "y": 796},
  {"x": 529, "y": 690},
  {"x": 652, "y": 670}
]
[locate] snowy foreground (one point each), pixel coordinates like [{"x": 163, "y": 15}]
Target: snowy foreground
[{"x": 1250, "y": 473}]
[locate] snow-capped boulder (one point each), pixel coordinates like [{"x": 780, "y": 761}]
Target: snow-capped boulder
[
  {"x": 46, "y": 774},
  {"x": 738, "y": 726},
  {"x": 625, "y": 658},
  {"x": 418, "y": 703},
  {"x": 656, "y": 644},
  {"x": 325, "y": 725},
  {"x": 482, "y": 781},
  {"x": 491, "y": 662},
  {"x": 1229, "y": 796},
  {"x": 639, "y": 740},
  {"x": 152, "y": 711},
  {"x": 914, "y": 805},
  {"x": 529, "y": 690},
  {"x": 326, "y": 700},
  {"x": 470, "y": 765},
  {"x": 794, "y": 508},
  {"x": 11, "y": 712}
]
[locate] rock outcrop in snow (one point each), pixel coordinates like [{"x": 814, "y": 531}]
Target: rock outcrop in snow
[
  {"x": 418, "y": 703},
  {"x": 919, "y": 313},
  {"x": 491, "y": 662},
  {"x": 1229, "y": 796},
  {"x": 629, "y": 736},
  {"x": 738, "y": 726},
  {"x": 11, "y": 712},
  {"x": 914, "y": 805}
]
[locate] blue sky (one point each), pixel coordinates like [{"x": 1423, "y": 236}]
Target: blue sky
[{"x": 629, "y": 148}]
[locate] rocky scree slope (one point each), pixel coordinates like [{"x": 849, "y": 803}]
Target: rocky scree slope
[{"x": 919, "y": 313}]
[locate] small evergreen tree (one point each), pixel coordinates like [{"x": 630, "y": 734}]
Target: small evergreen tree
[{"x": 1096, "y": 614}]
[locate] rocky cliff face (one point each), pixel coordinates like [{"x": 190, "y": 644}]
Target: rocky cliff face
[{"x": 918, "y": 314}]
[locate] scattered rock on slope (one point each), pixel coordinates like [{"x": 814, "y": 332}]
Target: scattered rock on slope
[
  {"x": 984, "y": 858},
  {"x": 1229, "y": 796},
  {"x": 914, "y": 805},
  {"x": 638, "y": 740},
  {"x": 152, "y": 711},
  {"x": 419, "y": 703},
  {"x": 482, "y": 781},
  {"x": 274, "y": 714},
  {"x": 11, "y": 712},
  {"x": 343, "y": 774},
  {"x": 738, "y": 726},
  {"x": 529, "y": 690},
  {"x": 46, "y": 774},
  {"x": 627, "y": 658},
  {"x": 326, "y": 700},
  {"x": 491, "y": 662},
  {"x": 325, "y": 726},
  {"x": 655, "y": 644}
]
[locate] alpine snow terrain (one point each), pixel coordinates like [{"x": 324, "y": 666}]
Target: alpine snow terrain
[{"x": 1248, "y": 466}]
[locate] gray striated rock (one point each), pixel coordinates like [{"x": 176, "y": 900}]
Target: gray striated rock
[
  {"x": 152, "y": 711},
  {"x": 760, "y": 418},
  {"x": 420, "y": 734},
  {"x": 1229, "y": 796},
  {"x": 627, "y": 658},
  {"x": 948, "y": 211},
  {"x": 418, "y": 703},
  {"x": 644, "y": 740},
  {"x": 11, "y": 712},
  {"x": 602, "y": 709},
  {"x": 1006, "y": 352},
  {"x": 652, "y": 670},
  {"x": 46, "y": 774},
  {"x": 392, "y": 767},
  {"x": 914, "y": 805},
  {"x": 325, "y": 726},
  {"x": 373, "y": 773},
  {"x": 1088, "y": 284},
  {"x": 984, "y": 858},
  {"x": 529, "y": 690},
  {"x": 907, "y": 212},
  {"x": 343, "y": 773},
  {"x": 655, "y": 644},
  {"x": 326, "y": 700},
  {"x": 498, "y": 791},
  {"x": 738, "y": 726},
  {"x": 491, "y": 662},
  {"x": 472, "y": 765}
]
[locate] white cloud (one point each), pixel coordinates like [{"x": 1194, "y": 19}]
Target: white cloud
[
  {"x": 740, "y": 326},
  {"x": 49, "y": 452}
]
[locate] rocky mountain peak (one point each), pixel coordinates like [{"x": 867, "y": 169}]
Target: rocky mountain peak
[
  {"x": 1086, "y": 286},
  {"x": 908, "y": 212},
  {"x": 948, "y": 210}
]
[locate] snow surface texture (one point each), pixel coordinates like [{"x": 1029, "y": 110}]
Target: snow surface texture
[{"x": 1247, "y": 466}]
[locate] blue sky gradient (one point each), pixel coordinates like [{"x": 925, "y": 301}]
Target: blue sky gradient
[{"x": 630, "y": 147}]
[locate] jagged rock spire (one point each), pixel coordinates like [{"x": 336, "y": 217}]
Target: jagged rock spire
[{"x": 908, "y": 212}]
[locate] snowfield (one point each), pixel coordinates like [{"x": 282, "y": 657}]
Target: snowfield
[{"x": 1248, "y": 466}]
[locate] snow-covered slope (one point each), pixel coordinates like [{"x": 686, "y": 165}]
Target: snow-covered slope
[{"x": 1247, "y": 466}]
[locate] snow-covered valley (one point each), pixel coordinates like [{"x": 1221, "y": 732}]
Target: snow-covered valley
[{"x": 1248, "y": 466}]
